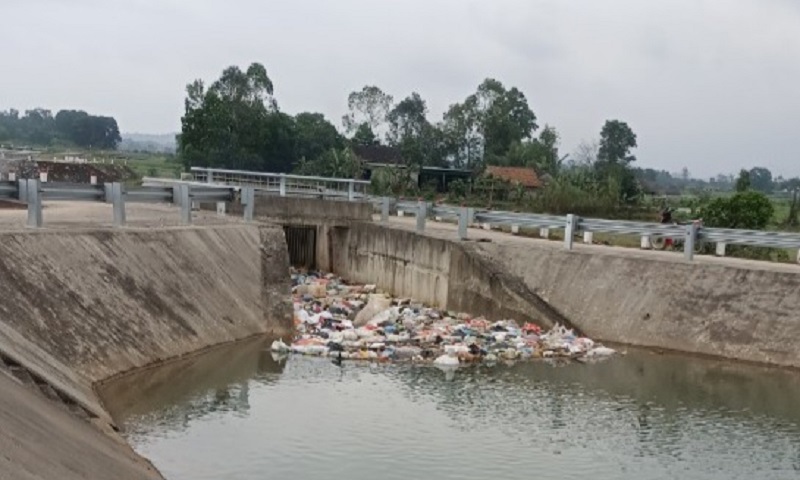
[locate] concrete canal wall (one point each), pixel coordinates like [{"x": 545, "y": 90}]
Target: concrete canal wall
[
  {"x": 80, "y": 307},
  {"x": 739, "y": 310}
]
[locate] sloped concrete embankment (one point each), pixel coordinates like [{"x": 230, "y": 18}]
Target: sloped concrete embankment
[
  {"x": 438, "y": 272},
  {"x": 744, "y": 312},
  {"x": 78, "y": 308}
]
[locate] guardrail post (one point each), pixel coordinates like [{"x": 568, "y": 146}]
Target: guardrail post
[
  {"x": 186, "y": 204},
  {"x": 689, "y": 241},
  {"x": 721, "y": 246},
  {"x": 385, "y": 209},
  {"x": 422, "y": 213},
  {"x": 22, "y": 190},
  {"x": 221, "y": 209},
  {"x": 176, "y": 194},
  {"x": 351, "y": 191},
  {"x": 34, "y": 203},
  {"x": 118, "y": 199},
  {"x": 470, "y": 216},
  {"x": 248, "y": 202},
  {"x": 283, "y": 186},
  {"x": 209, "y": 177},
  {"x": 463, "y": 223},
  {"x": 569, "y": 230}
]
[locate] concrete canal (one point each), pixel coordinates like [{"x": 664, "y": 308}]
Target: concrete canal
[{"x": 239, "y": 413}]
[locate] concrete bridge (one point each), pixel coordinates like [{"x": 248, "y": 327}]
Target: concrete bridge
[{"x": 82, "y": 302}]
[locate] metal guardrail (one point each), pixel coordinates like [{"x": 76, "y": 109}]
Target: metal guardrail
[
  {"x": 284, "y": 184},
  {"x": 34, "y": 192},
  {"x": 691, "y": 235}
]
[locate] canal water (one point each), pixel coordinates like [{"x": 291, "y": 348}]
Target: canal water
[{"x": 238, "y": 413}]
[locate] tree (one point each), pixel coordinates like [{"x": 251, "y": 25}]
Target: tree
[
  {"x": 236, "y": 123},
  {"x": 743, "y": 182},
  {"x": 540, "y": 154},
  {"x": 761, "y": 180},
  {"x": 462, "y": 136},
  {"x": 746, "y": 209},
  {"x": 616, "y": 141},
  {"x": 364, "y": 136},
  {"x": 419, "y": 142},
  {"x": 369, "y": 106},
  {"x": 793, "y": 187},
  {"x": 315, "y": 135}
]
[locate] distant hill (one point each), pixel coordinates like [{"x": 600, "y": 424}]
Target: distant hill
[{"x": 143, "y": 142}]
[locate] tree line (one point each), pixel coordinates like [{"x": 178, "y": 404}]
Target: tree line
[
  {"x": 236, "y": 122},
  {"x": 38, "y": 127}
]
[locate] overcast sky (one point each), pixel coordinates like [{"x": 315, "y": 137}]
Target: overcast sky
[{"x": 713, "y": 85}]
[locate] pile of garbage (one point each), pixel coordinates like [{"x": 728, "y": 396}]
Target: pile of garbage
[{"x": 357, "y": 322}]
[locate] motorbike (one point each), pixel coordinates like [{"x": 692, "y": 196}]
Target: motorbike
[{"x": 677, "y": 244}]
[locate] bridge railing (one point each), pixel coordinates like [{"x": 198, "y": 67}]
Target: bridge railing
[
  {"x": 34, "y": 192},
  {"x": 692, "y": 236},
  {"x": 285, "y": 184}
]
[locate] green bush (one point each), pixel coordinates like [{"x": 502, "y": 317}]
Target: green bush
[{"x": 747, "y": 210}]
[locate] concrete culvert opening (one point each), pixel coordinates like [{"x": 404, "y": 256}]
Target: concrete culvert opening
[{"x": 302, "y": 243}]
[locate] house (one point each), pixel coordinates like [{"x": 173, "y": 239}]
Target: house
[
  {"x": 380, "y": 157},
  {"x": 525, "y": 177}
]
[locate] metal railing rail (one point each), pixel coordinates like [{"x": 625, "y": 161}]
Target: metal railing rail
[
  {"x": 34, "y": 192},
  {"x": 285, "y": 184},
  {"x": 692, "y": 234},
  {"x": 186, "y": 193}
]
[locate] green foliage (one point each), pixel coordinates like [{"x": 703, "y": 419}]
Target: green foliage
[
  {"x": 364, "y": 136},
  {"x": 761, "y": 179},
  {"x": 333, "y": 163},
  {"x": 39, "y": 127},
  {"x": 616, "y": 141},
  {"x": 369, "y": 106},
  {"x": 746, "y": 210},
  {"x": 315, "y": 135},
  {"x": 743, "y": 182}
]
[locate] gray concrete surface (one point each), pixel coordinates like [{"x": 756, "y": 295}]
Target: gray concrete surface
[
  {"x": 40, "y": 441},
  {"x": 83, "y": 302},
  {"x": 726, "y": 307}
]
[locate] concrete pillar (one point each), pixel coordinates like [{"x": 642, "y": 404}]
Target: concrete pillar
[
  {"x": 721, "y": 249},
  {"x": 248, "y": 199},
  {"x": 186, "y": 204},
  {"x": 515, "y": 229},
  {"x": 422, "y": 214},
  {"x": 93, "y": 179},
  {"x": 12, "y": 177},
  {"x": 645, "y": 244},
  {"x": 463, "y": 222},
  {"x": 399, "y": 213},
  {"x": 569, "y": 230},
  {"x": 588, "y": 237},
  {"x": 351, "y": 191},
  {"x": 690, "y": 237},
  {"x": 282, "y": 188},
  {"x": 385, "y": 209},
  {"x": 34, "y": 203},
  {"x": 118, "y": 201},
  {"x": 221, "y": 208},
  {"x": 544, "y": 232},
  {"x": 43, "y": 177},
  {"x": 486, "y": 226}
]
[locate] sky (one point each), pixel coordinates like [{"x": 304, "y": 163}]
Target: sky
[{"x": 711, "y": 85}]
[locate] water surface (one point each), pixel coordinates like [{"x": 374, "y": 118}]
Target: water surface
[{"x": 237, "y": 413}]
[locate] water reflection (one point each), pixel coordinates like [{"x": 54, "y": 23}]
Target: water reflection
[
  {"x": 179, "y": 392},
  {"x": 640, "y": 416}
]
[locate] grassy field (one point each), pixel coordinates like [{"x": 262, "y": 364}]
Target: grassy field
[{"x": 154, "y": 165}]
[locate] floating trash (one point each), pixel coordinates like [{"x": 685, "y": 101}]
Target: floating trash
[{"x": 358, "y": 322}]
